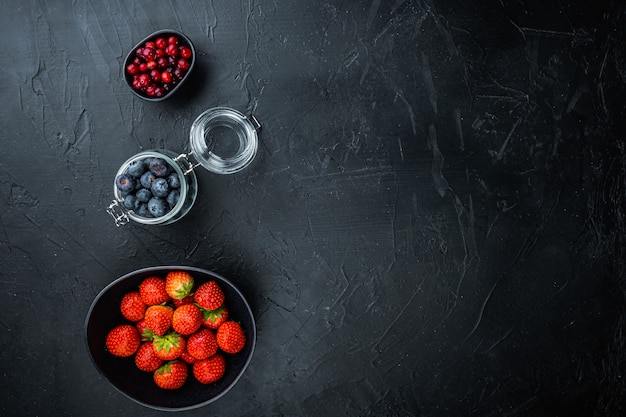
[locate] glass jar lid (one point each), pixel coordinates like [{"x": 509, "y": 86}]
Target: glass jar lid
[{"x": 223, "y": 140}]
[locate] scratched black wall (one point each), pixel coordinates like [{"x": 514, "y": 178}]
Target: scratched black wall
[{"x": 433, "y": 226}]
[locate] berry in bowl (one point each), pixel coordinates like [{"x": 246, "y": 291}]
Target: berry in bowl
[
  {"x": 171, "y": 338},
  {"x": 158, "y": 65}
]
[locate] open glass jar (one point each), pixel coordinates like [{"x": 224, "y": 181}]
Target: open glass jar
[{"x": 222, "y": 140}]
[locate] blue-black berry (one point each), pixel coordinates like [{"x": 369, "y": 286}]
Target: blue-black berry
[
  {"x": 147, "y": 179},
  {"x": 143, "y": 195},
  {"x": 159, "y": 167},
  {"x": 157, "y": 207},
  {"x": 129, "y": 201},
  {"x": 172, "y": 198},
  {"x": 125, "y": 183},
  {"x": 173, "y": 180},
  {"x": 136, "y": 168},
  {"x": 160, "y": 188}
]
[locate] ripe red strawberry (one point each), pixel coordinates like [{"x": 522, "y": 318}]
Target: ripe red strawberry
[
  {"x": 159, "y": 319},
  {"x": 183, "y": 301},
  {"x": 202, "y": 344},
  {"x": 214, "y": 318},
  {"x": 209, "y": 295},
  {"x": 146, "y": 359},
  {"x": 187, "y": 357},
  {"x": 144, "y": 332},
  {"x": 123, "y": 340},
  {"x": 178, "y": 284},
  {"x": 209, "y": 370},
  {"x": 172, "y": 375},
  {"x": 230, "y": 337},
  {"x": 187, "y": 319},
  {"x": 169, "y": 347},
  {"x": 132, "y": 306},
  {"x": 152, "y": 291}
]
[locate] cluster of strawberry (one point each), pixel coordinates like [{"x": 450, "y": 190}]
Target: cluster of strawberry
[{"x": 175, "y": 328}]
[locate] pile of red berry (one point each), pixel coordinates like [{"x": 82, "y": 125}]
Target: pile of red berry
[
  {"x": 159, "y": 65},
  {"x": 171, "y": 329}
]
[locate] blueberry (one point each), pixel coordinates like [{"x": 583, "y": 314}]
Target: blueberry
[
  {"x": 143, "y": 211},
  {"x": 173, "y": 180},
  {"x": 125, "y": 183},
  {"x": 160, "y": 187},
  {"x": 136, "y": 168},
  {"x": 172, "y": 198},
  {"x": 146, "y": 162},
  {"x": 159, "y": 167},
  {"x": 157, "y": 207},
  {"x": 147, "y": 179},
  {"x": 143, "y": 195},
  {"x": 129, "y": 201}
]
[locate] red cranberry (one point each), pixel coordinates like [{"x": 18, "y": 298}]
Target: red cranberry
[
  {"x": 150, "y": 90},
  {"x": 132, "y": 69},
  {"x": 150, "y": 44},
  {"x": 172, "y": 40},
  {"x": 160, "y": 43},
  {"x": 151, "y": 65},
  {"x": 160, "y": 52},
  {"x": 159, "y": 92},
  {"x": 148, "y": 53},
  {"x": 171, "y": 50},
  {"x": 162, "y": 62},
  {"x": 144, "y": 80},
  {"x": 178, "y": 74},
  {"x": 185, "y": 52},
  {"x": 171, "y": 61},
  {"x": 143, "y": 67},
  {"x": 155, "y": 75},
  {"x": 166, "y": 77},
  {"x": 136, "y": 84},
  {"x": 183, "y": 64},
  {"x": 139, "y": 52}
]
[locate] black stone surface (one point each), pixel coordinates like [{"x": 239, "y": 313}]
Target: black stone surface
[{"x": 433, "y": 226}]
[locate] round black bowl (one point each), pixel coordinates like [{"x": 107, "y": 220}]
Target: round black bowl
[
  {"x": 183, "y": 39},
  {"x": 138, "y": 385}
]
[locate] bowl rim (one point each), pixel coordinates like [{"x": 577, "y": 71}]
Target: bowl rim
[
  {"x": 157, "y": 269},
  {"x": 128, "y": 78}
]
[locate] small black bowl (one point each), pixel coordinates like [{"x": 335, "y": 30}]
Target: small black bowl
[
  {"x": 183, "y": 41},
  {"x": 138, "y": 385}
]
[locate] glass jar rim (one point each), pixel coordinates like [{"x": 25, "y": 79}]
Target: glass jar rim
[{"x": 245, "y": 129}]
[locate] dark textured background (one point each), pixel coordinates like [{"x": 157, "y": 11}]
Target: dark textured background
[{"x": 434, "y": 224}]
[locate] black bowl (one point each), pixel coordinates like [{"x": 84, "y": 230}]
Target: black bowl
[
  {"x": 138, "y": 385},
  {"x": 183, "y": 41}
]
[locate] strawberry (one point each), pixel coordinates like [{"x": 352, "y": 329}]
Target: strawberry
[
  {"x": 146, "y": 359},
  {"x": 145, "y": 333},
  {"x": 179, "y": 302},
  {"x": 209, "y": 370},
  {"x": 187, "y": 319},
  {"x": 159, "y": 319},
  {"x": 152, "y": 291},
  {"x": 178, "y": 284},
  {"x": 123, "y": 340},
  {"x": 209, "y": 295},
  {"x": 230, "y": 337},
  {"x": 214, "y": 318},
  {"x": 170, "y": 346},
  {"x": 172, "y": 375},
  {"x": 132, "y": 306},
  {"x": 184, "y": 355},
  {"x": 202, "y": 344}
]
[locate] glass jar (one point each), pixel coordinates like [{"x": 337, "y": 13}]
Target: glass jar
[{"x": 222, "y": 140}]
